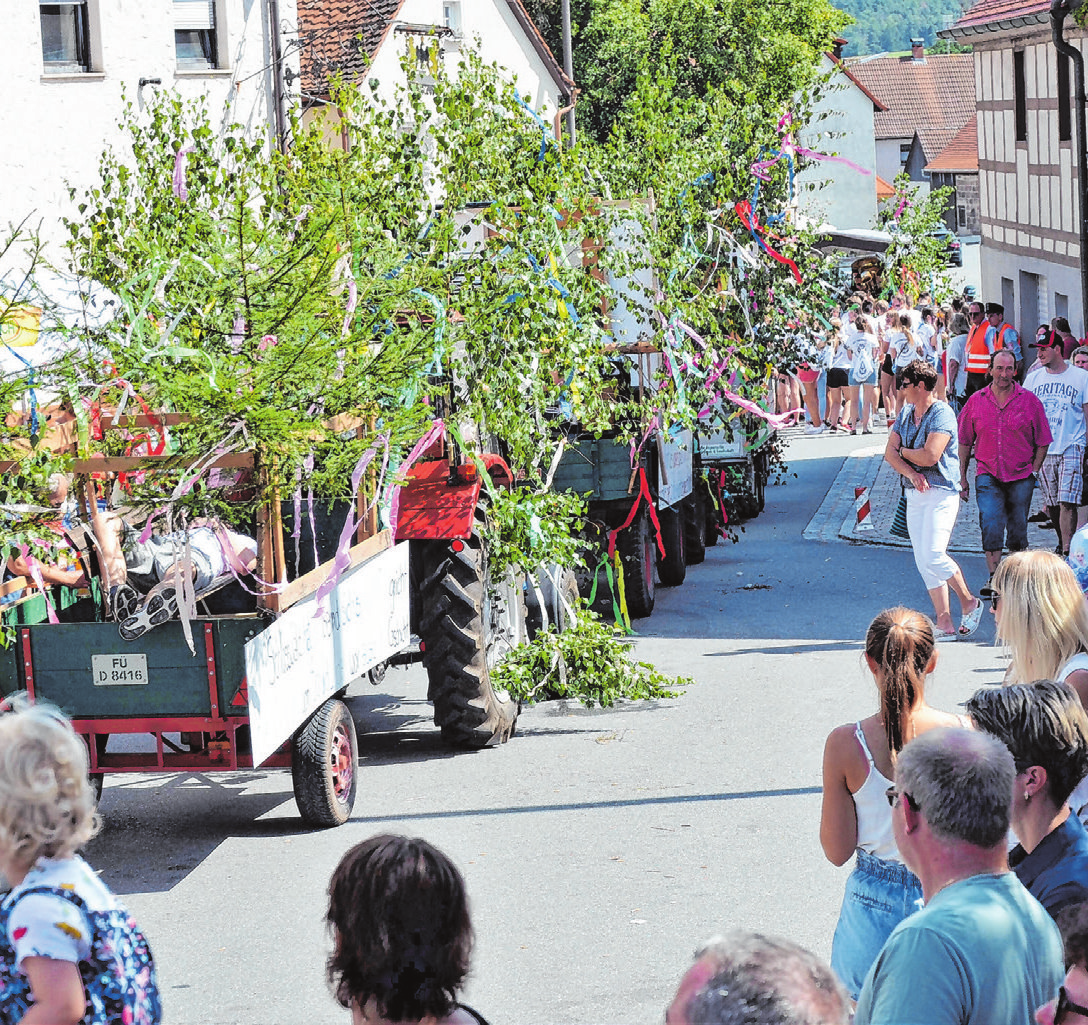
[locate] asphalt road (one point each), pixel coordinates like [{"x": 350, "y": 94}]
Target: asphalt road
[{"x": 599, "y": 847}]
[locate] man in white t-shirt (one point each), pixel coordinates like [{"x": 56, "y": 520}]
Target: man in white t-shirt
[{"x": 1063, "y": 390}]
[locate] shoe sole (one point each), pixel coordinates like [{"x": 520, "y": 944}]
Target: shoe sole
[{"x": 160, "y": 608}]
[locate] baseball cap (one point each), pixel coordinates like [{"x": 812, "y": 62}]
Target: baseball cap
[{"x": 1045, "y": 338}]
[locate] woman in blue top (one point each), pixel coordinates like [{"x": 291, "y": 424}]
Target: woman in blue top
[
  {"x": 923, "y": 448},
  {"x": 1046, "y": 730}
]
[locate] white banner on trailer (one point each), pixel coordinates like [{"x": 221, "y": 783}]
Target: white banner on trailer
[
  {"x": 301, "y": 661},
  {"x": 674, "y": 479}
]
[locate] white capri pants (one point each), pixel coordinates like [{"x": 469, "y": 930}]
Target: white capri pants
[{"x": 931, "y": 515}]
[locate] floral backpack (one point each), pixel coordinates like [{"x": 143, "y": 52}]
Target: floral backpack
[{"x": 118, "y": 978}]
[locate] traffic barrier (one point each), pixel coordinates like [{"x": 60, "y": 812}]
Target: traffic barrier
[{"x": 861, "y": 507}]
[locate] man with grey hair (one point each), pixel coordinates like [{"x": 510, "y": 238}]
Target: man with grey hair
[
  {"x": 745, "y": 978},
  {"x": 983, "y": 949}
]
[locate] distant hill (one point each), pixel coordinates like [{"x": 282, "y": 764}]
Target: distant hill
[{"x": 889, "y": 25}]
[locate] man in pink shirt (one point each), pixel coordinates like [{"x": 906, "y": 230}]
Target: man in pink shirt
[{"x": 1005, "y": 427}]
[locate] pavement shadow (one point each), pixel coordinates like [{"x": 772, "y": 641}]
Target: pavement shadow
[{"x": 634, "y": 802}]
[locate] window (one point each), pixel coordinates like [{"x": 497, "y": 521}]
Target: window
[
  {"x": 451, "y": 16},
  {"x": 195, "y": 42},
  {"x": 1019, "y": 85},
  {"x": 961, "y": 216},
  {"x": 1065, "y": 105},
  {"x": 65, "y": 46},
  {"x": 904, "y": 153}
]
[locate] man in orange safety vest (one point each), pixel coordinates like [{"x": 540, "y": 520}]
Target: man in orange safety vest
[{"x": 987, "y": 334}]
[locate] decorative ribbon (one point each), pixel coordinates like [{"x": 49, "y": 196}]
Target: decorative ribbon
[
  {"x": 181, "y": 158},
  {"x": 749, "y": 220},
  {"x": 30, "y": 388}
]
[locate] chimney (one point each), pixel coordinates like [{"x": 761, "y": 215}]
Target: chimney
[
  {"x": 917, "y": 49},
  {"x": 836, "y": 48}
]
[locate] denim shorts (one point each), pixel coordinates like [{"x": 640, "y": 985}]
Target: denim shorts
[
  {"x": 1003, "y": 509},
  {"x": 879, "y": 895}
]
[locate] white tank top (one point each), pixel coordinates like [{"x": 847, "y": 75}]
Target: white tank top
[{"x": 874, "y": 815}]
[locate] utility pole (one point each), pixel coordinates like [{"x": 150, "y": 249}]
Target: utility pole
[{"x": 568, "y": 65}]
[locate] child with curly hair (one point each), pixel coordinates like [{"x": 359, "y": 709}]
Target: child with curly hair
[{"x": 69, "y": 954}]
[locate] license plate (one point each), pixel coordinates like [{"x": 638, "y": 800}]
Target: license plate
[{"x": 119, "y": 670}]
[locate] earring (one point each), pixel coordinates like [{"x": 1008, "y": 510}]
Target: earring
[{"x": 1027, "y": 796}]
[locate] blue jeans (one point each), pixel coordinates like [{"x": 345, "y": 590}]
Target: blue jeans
[
  {"x": 879, "y": 895},
  {"x": 1003, "y": 507}
]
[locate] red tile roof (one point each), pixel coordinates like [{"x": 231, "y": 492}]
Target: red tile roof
[
  {"x": 988, "y": 12},
  {"x": 343, "y": 35},
  {"x": 934, "y": 97},
  {"x": 883, "y": 189},
  {"x": 340, "y": 35},
  {"x": 961, "y": 154}
]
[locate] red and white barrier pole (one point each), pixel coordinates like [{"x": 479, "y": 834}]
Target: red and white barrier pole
[{"x": 861, "y": 507}]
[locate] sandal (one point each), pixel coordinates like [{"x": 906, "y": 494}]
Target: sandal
[
  {"x": 945, "y": 635},
  {"x": 970, "y": 621}
]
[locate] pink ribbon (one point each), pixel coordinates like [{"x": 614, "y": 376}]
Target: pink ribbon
[
  {"x": 36, "y": 575},
  {"x": 342, "y": 560},
  {"x": 181, "y": 158}
]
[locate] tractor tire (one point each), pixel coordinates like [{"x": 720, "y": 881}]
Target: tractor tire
[
  {"x": 467, "y": 625},
  {"x": 694, "y": 507},
  {"x": 673, "y": 568},
  {"x": 763, "y": 473},
  {"x": 636, "y": 546},
  {"x": 325, "y": 765},
  {"x": 714, "y": 521}
]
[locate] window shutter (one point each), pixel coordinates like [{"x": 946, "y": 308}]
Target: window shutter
[{"x": 194, "y": 14}]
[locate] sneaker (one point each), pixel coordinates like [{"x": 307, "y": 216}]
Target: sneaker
[
  {"x": 988, "y": 590},
  {"x": 124, "y": 601},
  {"x": 813, "y": 430},
  {"x": 868, "y": 430},
  {"x": 1042, "y": 516},
  {"x": 159, "y": 608}
]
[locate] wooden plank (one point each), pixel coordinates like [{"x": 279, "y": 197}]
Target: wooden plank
[
  {"x": 126, "y": 464},
  {"x": 126, "y": 423},
  {"x": 308, "y": 584},
  {"x": 15, "y": 584}
]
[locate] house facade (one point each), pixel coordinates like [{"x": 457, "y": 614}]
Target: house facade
[
  {"x": 368, "y": 41},
  {"x": 69, "y": 68},
  {"x": 842, "y": 123},
  {"x": 956, "y": 167},
  {"x": 1030, "y": 256}
]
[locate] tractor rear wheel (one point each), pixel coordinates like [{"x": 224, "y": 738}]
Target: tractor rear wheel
[
  {"x": 673, "y": 568},
  {"x": 468, "y": 623},
  {"x": 636, "y": 546},
  {"x": 694, "y": 507}
]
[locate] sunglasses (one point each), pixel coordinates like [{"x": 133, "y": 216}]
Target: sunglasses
[
  {"x": 994, "y": 599},
  {"x": 975, "y": 313},
  {"x": 1066, "y": 1006},
  {"x": 891, "y": 794}
]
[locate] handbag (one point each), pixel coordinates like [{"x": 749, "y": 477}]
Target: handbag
[{"x": 899, "y": 521}]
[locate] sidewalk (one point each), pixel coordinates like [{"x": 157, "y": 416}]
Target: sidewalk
[{"x": 836, "y": 519}]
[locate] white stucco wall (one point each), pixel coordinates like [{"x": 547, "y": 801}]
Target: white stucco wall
[
  {"x": 889, "y": 161},
  {"x": 842, "y": 124},
  {"x": 55, "y": 127},
  {"x": 491, "y": 28}
]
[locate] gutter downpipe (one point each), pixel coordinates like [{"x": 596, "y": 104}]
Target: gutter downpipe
[
  {"x": 568, "y": 67},
  {"x": 1059, "y": 9},
  {"x": 278, "y": 118}
]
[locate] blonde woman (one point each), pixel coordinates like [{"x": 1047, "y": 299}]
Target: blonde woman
[
  {"x": 1042, "y": 618},
  {"x": 838, "y": 378}
]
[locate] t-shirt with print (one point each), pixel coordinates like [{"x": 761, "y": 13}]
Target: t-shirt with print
[
  {"x": 42, "y": 925},
  {"x": 863, "y": 366},
  {"x": 1063, "y": 397},
  {"x": 905, "y": 352}
]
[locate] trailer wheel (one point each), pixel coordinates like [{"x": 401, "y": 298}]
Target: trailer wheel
[
  {"x": 636, "y": 547},
  {"x": 324, "y": 765},
  {"x": 695, "y": 526},
  {"x": 672, "y": 568},
  {"x": 468, "y": 624}
]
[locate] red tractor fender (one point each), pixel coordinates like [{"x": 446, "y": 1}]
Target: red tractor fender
[{"x": 434, "y": 508}]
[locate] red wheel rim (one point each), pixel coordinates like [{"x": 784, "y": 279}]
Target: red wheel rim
[{"x": 341, "y": 764}]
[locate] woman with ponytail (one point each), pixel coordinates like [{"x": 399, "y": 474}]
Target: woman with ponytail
[{"x": 859, "y": 767}]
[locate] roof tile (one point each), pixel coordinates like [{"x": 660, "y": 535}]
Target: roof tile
[
  {"x": 987, "y": 11},
  {"x": 934, "y": 97},
  {"x": 961, "y": 154},
  {"x": 340, "y": 36}
]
